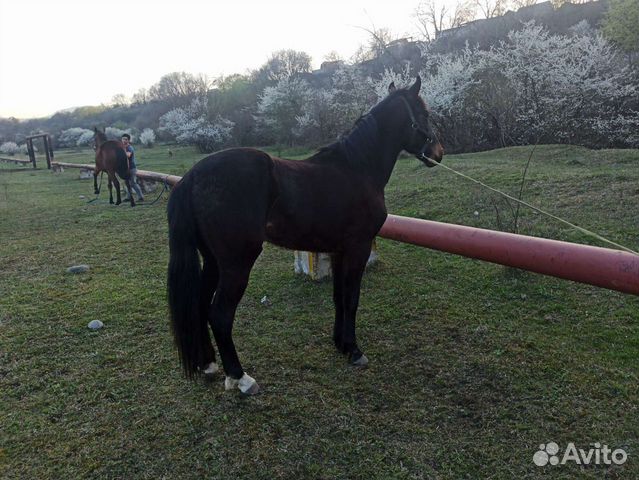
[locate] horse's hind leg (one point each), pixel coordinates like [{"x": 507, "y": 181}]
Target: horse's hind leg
[
  {"x": 233, "y": 281},
  {"x": 210, "y": 278}
]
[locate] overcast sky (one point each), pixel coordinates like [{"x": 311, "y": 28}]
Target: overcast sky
[{"x": 56, "y": 54}]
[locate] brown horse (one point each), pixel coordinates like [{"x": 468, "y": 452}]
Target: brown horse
[
  {"x": 111, "y": 158},
  {"x": 229, "y": 203}
]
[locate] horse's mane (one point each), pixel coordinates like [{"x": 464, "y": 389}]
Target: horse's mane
[
  {"x": 353, "y": 146},
  {"x": 361, "y": 141}
]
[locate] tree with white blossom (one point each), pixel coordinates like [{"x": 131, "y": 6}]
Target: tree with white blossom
[
  {"x": 534, "y": 87},
  {"x": 9, "y": 148},
  {"x": 70, "y": 136},
  {"x": 191, "y": 125},
  {"x": 85, "y": 139},
  {"x": 147, "y": 137},
  {"x": 282, "y": 109}
]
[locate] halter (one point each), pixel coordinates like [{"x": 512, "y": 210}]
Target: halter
[{"x": 415, "y": 126}]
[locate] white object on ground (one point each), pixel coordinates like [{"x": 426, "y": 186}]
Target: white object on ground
[
  {"x": 95, "y": 325},
  {"x": 211, "y": 368},
  {"x": 246, "y": 384}
]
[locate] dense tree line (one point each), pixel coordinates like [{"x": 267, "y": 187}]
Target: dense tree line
[{"x": 532, "y": 86}]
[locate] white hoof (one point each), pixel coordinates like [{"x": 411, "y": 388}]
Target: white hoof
[
  {"x": 211, "y": 369},
  {"x": 246, "y": 384},
  {"x": 361, "y": 361}
]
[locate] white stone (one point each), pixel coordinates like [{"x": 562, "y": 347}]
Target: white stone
[{"x": 95, "y": 325}]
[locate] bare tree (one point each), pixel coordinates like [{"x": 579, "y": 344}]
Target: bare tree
[
  {"x": 285, "y": 63},
  {"x": 559, "y": 3},
  {"x": 491, "y": 8},
  {"x": 523, "y": 3},
  {"x": 435, "y": 16},
  {"x": 120, "y": 100},
  {"x": 177, "y": 87},
  {"x": 333, "y": 56},
  {"x": 141, "y": 97},
  {"x": 379, "y": 40}
]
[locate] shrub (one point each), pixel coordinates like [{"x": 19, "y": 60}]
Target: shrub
[
  {"x": 190, "y": 125},
  {"x": 147, "y": 137},
  {"x": 9, "y": 148},
  {"x": 85, "y": 139},
  {"x": 70, "y": 137},
  {"x": 114, "y": 133}
]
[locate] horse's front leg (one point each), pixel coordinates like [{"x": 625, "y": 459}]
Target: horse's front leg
[
  {"x": 95, "y": 182},
  {"x": 338, "y": 299},
  {"x": 353, "y": 265}
]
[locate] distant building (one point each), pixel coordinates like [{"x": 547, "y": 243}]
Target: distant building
[{"x": 489, "y": 31}]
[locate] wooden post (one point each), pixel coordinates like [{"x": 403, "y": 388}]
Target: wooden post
[
  {"x": 48, "y": 150},
  {"x": 31, "y": 152}
]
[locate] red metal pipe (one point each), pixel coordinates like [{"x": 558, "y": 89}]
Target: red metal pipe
[{"x": 602, "y": 267}]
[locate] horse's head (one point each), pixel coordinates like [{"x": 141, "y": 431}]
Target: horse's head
[
  {"x": 420, "y": 138},
  {"x": 99, "y": 137}
]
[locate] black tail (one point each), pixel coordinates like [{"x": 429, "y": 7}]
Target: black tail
[
  {"x": 183, "y": 282},
  {"x": 122, "y": 164}
]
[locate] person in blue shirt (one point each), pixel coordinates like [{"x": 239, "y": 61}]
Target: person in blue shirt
[{"x": 133, "y": 169}]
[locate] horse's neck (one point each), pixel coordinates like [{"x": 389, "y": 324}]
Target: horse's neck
[
  {"x": 374, "y": 144},
  {"x": 361, "y": 143}
]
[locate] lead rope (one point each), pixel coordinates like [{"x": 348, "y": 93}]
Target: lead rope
[
  {"x": 165, "y": 188},
  {"x": 543, "y": 212}
]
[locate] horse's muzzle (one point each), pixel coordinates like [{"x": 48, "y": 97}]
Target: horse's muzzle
[{"x": 435, "y": 156}]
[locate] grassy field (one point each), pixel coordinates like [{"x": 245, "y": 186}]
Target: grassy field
[{"x": 473, "y": 365}]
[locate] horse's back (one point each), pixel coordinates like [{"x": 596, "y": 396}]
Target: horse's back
[
  {"x": 322, "y": 205},
  {"x": 237, "y": 174},
  {"x": 232, "y": 191}
]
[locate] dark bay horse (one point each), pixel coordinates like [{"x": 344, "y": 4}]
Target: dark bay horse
[
  {"x": 111, "y": 158},
  {"x": 229, "y": 203}
]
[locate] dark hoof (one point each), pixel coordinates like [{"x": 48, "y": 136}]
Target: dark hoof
[
  {"x": 358, "y": 360},
  {"x": 132, "y": 204},
  {"x": 96, "y": 192},
  {"x": 111, "y": 202},
  {"x": 118, "y": 203}
]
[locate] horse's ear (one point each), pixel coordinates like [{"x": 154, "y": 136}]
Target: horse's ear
[
  {"x": 391, "y": 87},
  {"x": 95, "y": 129},
  {"x": 416, "y": 86}
]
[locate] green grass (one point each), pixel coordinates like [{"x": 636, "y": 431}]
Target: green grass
[{"x": 472, "y": 365}]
